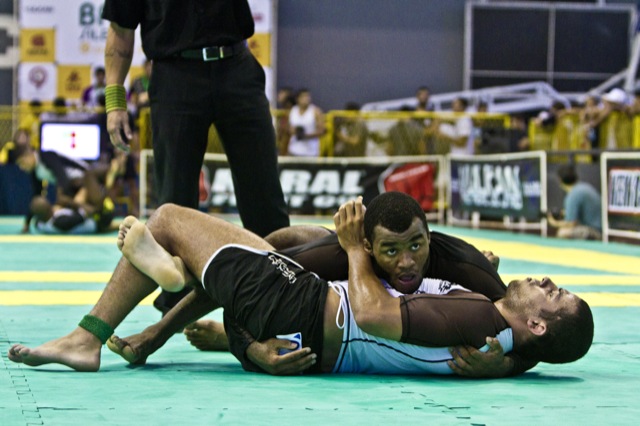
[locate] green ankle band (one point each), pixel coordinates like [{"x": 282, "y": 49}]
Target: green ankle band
[{"x": 97, "y": 327}]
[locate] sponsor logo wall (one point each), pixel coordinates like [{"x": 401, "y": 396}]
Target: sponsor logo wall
[
  {"x": 62, "y": 42},
  {"x": 313, "y": 187}
]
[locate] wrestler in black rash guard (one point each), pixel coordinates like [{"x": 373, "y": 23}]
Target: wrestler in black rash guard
[{"x": 450, "y": 259}]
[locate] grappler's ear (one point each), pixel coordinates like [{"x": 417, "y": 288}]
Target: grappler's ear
[
  {"x": 367, "y": 246},
  {"x": 537, "y": 326}
]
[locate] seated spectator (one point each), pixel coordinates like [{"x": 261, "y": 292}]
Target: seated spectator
[
  {"x": 351, "y": 134},
  {"x": 582, "y": 208}
]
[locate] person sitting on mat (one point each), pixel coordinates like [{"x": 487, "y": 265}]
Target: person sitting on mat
[{"x": 267, "y": 294}]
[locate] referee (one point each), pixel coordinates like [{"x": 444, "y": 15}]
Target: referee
[{"x": 203, "y": 74}]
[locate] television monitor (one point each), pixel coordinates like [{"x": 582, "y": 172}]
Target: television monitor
[{"x": 80, "y": 141}]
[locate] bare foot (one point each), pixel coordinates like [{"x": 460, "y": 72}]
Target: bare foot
[
  {"x": 127, "y": 351},
  {"x": 79, "y": 350},
  {"x": 207, "y": 335},
  {"x": 143, "y": 251}
]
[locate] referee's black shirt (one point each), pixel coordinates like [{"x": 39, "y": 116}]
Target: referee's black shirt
[{"x": 171, "y": 26}]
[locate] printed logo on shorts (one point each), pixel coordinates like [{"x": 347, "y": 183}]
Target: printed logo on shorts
[{"x": 283, "y": 268}]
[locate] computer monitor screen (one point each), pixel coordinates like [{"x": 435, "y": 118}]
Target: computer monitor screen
[{"x": 74, "y": 140}]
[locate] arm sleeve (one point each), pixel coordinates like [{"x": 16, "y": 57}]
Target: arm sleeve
[
  {"x": 458, "y": 318},
  {"x": 125, "y": 13}
]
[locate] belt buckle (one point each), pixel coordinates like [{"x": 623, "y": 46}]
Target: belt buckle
[{"x": 217, "y": 53}]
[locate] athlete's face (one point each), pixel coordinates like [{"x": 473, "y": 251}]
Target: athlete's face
[
  {"x": 533, "y": 297},
  {"x": 403, "y": 256}
]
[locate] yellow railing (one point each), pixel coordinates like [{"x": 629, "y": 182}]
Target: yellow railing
[{"x": 617, "y": 131}]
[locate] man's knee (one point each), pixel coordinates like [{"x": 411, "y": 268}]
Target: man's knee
[{"x": 163, "y": 217}]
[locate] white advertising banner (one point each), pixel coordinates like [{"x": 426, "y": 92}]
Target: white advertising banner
[
  {"x": 262, "y": 44},
  {"x": 70, "y": 34},
  {"x": 40, "y": 13},
  {"x": 67, "y": 34},
  {"x": 37, "y": 81},
  {"x": 262, "y": 11}
]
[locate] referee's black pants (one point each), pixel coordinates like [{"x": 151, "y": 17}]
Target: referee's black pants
[{"x": 186, "y": 97}]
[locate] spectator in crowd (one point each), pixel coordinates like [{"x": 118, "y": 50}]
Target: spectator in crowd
[
  {"x": 549, "y": 118},
  {"x": 634, "y": 106},
  {"x": 423, "y": 93},
  {"x": 306, "y": 124},
  {"x": 616, "y": 132},
  {"x": 285, "y": 98},
  {"x": 30, "y": 122},
  {"x": 518, "y": 133},
  {"x": 139, "y": 89},
  {"x": 285, "y": 101},
  {"x": 61, "y": 112},
  {"x": 457, "y": 136},
  {"x": 590, "y": 116},
  {"x": 582, "y": 208},
  {"x": 351, "y": 134},
  {"x": 91, "y": 94},
  {"x": 406, "y": 137}
]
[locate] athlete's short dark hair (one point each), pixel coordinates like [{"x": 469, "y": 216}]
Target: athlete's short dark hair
[
  {"x": 394, "y": 211},
  {"x": 568, "y": 337}
]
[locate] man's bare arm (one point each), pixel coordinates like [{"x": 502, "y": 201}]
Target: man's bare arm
[
  {"x": 376, "y": 312},
  {"x": 118, "y": 54}
]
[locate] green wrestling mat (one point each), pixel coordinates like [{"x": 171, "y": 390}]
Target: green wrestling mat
[{"x": 48, "y": 283}]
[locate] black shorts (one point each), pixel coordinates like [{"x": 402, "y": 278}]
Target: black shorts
[{"x": 267, "y": 294}]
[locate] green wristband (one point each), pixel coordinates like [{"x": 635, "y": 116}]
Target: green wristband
[
  {"x": 97, "y": 327},
  {"x": 115, "y": 98}
]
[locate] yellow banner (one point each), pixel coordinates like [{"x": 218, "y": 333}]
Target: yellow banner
[
  {"x": 37, "y": 45},
  {"x": 72, "y": 80},
  {"x": 260, "y": 46}
]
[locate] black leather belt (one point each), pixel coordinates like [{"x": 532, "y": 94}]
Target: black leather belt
[{"x": 214, "y": 53}]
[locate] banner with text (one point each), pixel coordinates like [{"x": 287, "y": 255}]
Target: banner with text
[
  {"x": 313, "y": 187},
  {"x": 623, "y": 192},
  {"x": 499, "y": 185}
]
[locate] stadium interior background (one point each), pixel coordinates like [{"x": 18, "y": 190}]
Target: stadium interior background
[{"x": 371, "y": 52}]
